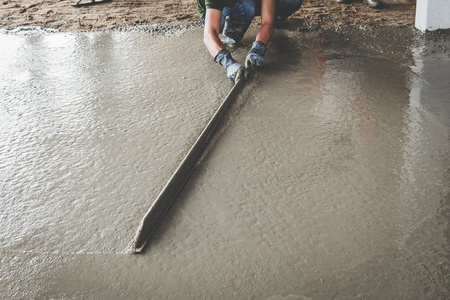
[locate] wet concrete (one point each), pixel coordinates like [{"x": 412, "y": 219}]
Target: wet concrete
[{"x": 328, "y": 177}]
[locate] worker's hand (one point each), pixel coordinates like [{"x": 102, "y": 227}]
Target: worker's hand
[
  {"x": 255, "y": 55},
  {"x": 234, "y": 69}
]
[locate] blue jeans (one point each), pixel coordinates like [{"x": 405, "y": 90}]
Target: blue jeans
[{"x": 246, "y": 10}]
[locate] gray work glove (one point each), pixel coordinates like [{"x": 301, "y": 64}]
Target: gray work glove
[
  {"x": 255, "y": 55},
  {"x": 234, "y": 69}
]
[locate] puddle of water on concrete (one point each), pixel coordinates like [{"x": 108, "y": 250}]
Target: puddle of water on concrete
[{"x": 328, "y": 178}]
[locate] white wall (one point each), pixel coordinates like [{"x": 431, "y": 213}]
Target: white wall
[{"x": 432, "y": 14}]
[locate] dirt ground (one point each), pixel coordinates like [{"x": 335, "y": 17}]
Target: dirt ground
[{"x": 61, "y": 15}]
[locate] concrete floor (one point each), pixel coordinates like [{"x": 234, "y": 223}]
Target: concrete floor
[{"x": 328, "y": 176}]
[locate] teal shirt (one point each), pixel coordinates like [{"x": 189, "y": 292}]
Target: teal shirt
[{"x": 202, "y": 5}]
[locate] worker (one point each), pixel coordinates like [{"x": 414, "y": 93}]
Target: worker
[{"x": 231, "y": 18}]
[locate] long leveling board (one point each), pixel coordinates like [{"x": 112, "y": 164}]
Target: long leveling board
[{"x": 170, "y": 191}]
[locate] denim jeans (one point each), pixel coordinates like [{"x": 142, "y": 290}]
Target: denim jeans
[{"x": 245, "y": 10}]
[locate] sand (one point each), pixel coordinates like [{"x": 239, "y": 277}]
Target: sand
[{"x": 61, "y": 15}]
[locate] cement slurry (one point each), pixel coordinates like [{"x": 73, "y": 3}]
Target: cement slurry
[{"x": 328, "y": 177}]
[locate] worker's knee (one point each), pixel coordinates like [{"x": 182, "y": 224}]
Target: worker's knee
[
  {"x": 285, "y": 8},
  {"x": 241, "y": 11}
]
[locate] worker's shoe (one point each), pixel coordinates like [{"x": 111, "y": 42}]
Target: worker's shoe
[
  {"x": 233, "y": 30},
  {"x": 373, "y": 3},
  {"x": 342, "y": 1}
]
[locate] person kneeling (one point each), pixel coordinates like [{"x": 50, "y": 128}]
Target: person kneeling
[{"x": 231, "y": 18}]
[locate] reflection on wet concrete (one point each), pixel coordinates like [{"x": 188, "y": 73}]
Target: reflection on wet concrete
[
  {"x": 81, "y": 113},
  {"x": 329, "y": 176}
]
